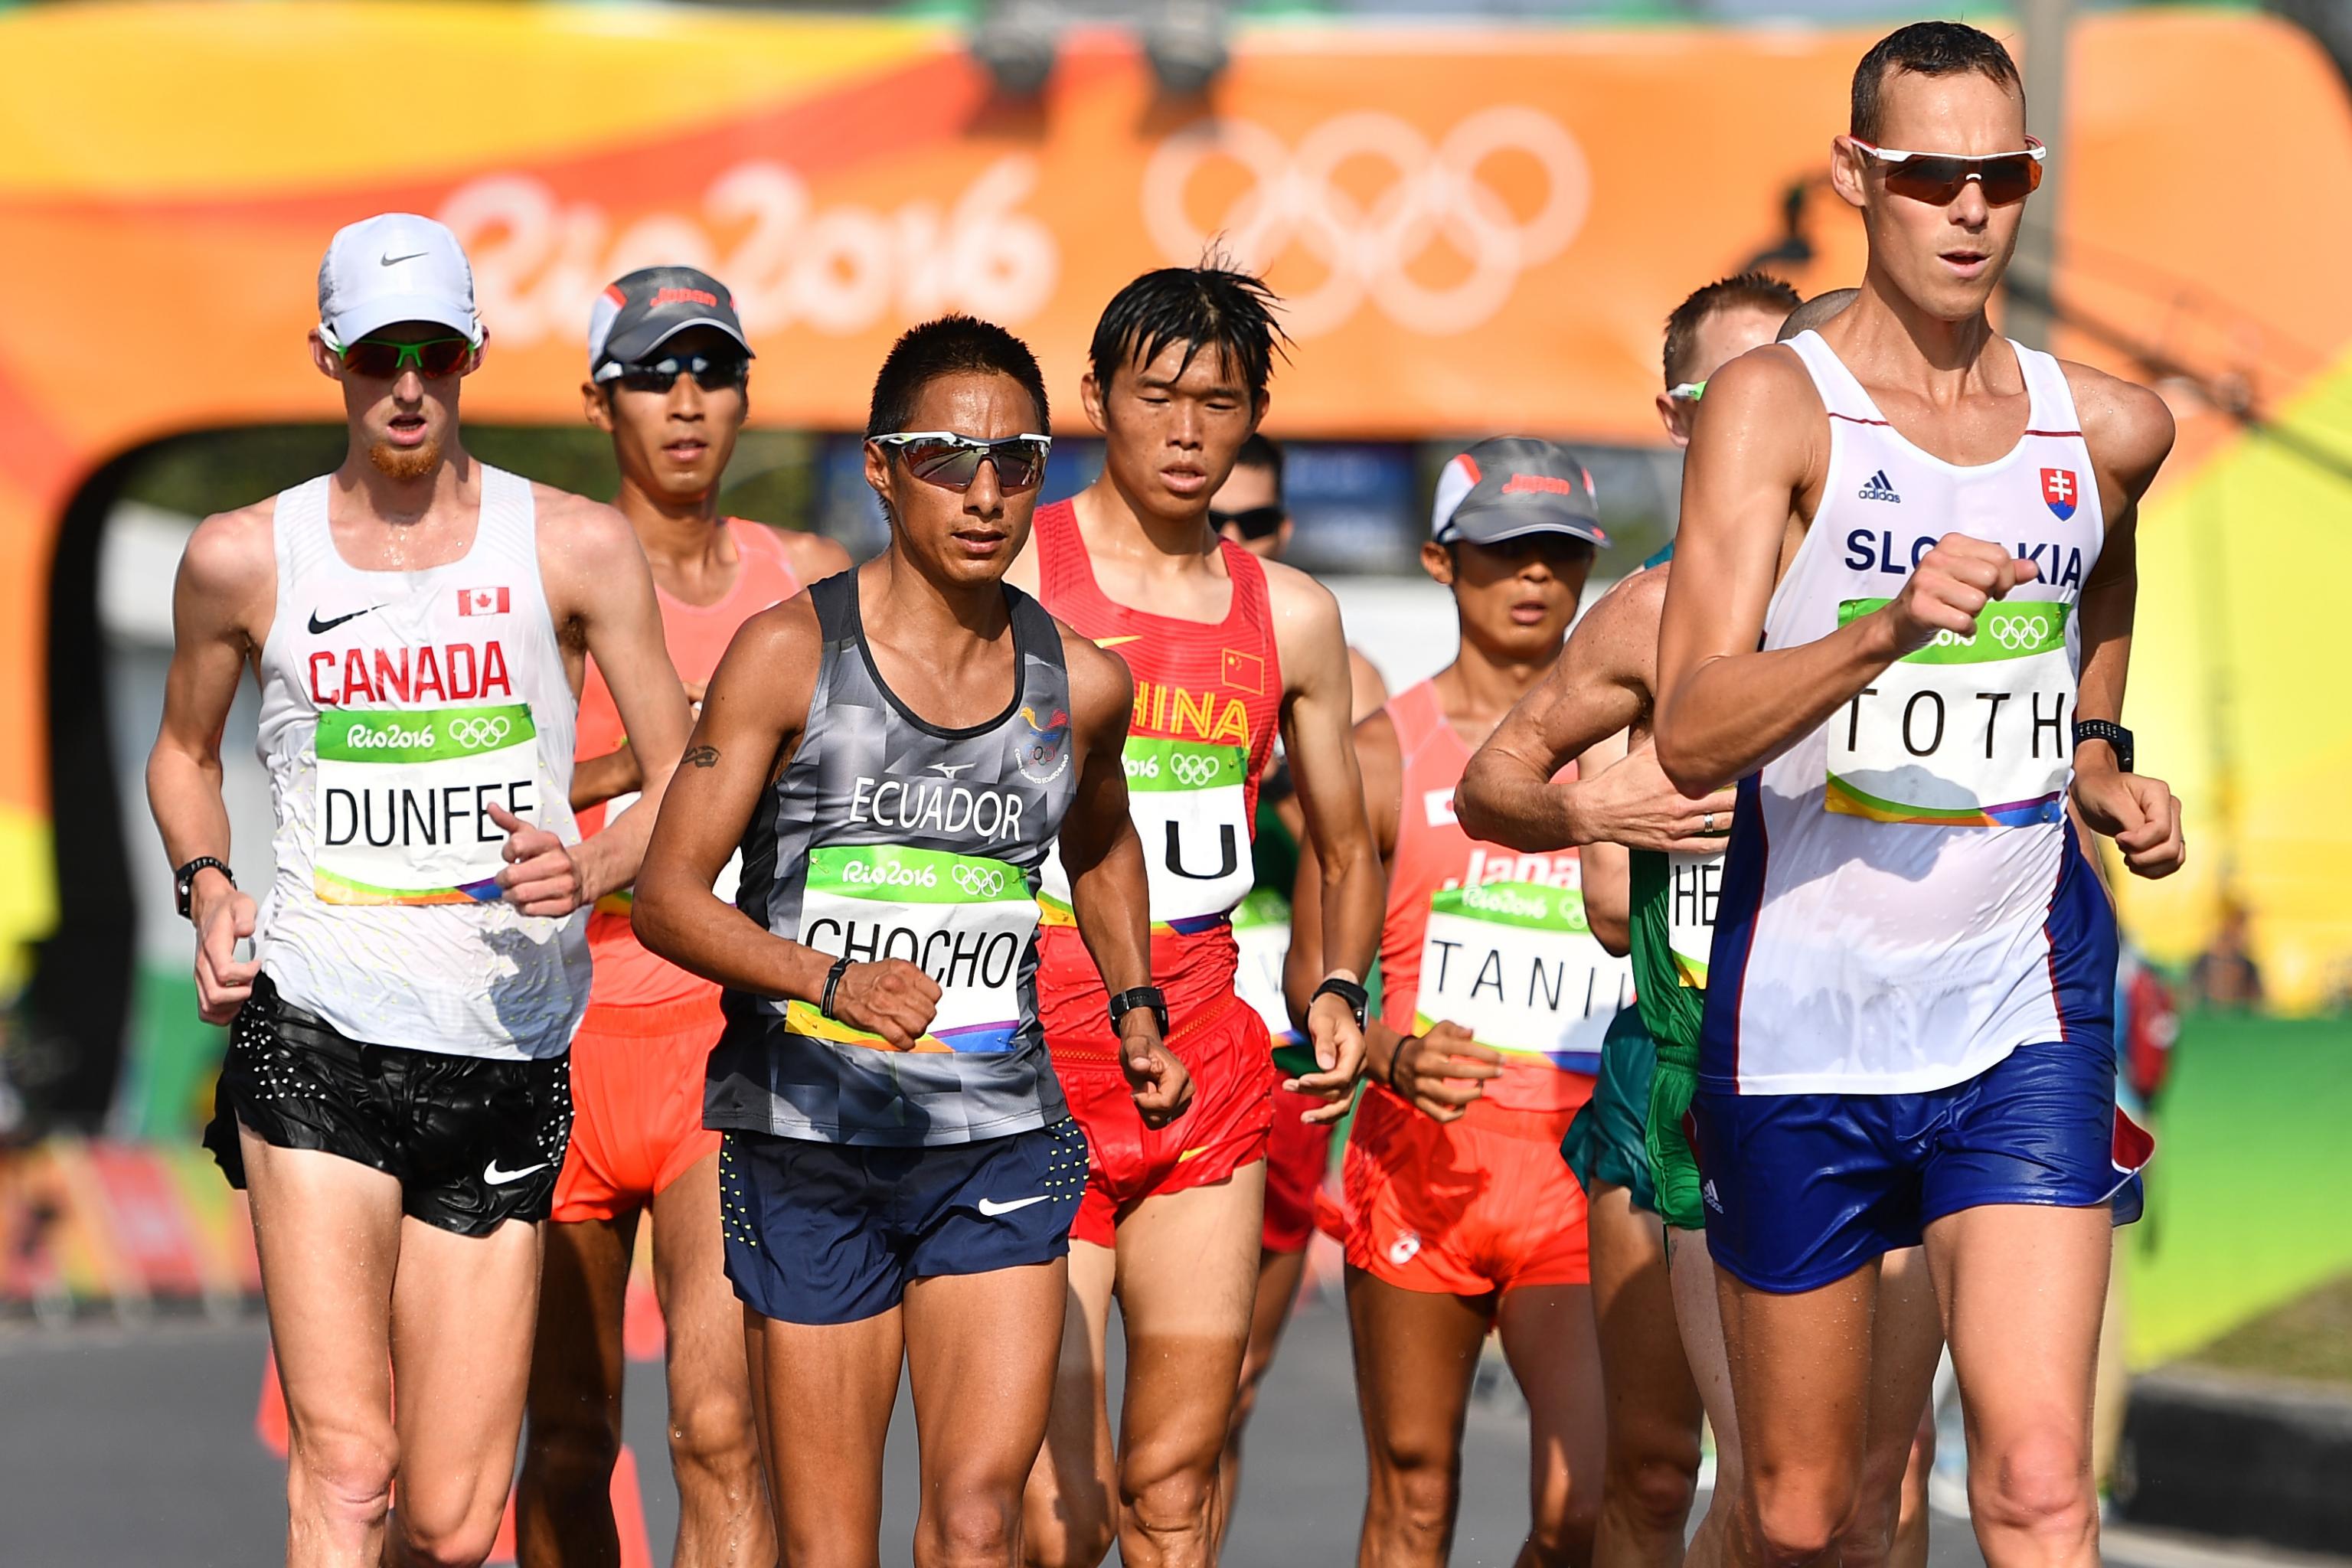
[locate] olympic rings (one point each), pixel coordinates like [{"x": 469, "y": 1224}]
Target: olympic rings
[
  {"x": 1369, "y": 248},
  {"x": 979, "y": 881},
  {"x": 1194, "y": 770},
  {"x": 478, "y": 733},
  {"x": 2024, "y": 630}
]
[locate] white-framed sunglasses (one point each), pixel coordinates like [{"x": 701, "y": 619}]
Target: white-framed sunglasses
[
  {"x": 1938, "y": 178},
  {"x": 952, "y": 461}
]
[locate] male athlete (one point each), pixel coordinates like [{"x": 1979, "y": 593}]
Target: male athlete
[
  {"x": 1229, "y": 649},
  {"x": 1900, "y": 618},
  {"x": 668, "y": 377},
  {"x": 1249, "y": 509},
  {"x": 1600, "y": 685},
  {"x": 396, "y": 1097},
  {"x": 895, "y": 752},
  {"x": 1494, "y": 996}
]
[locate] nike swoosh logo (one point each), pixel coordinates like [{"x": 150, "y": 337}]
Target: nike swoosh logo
[
  {"x": 499, "y": 1178},
  {"x": 321, "y": 628},
  {"x": 991, "y": 1209},
  {"x": 1118, "y": 642},
  {"x": 396, "y": 260}
]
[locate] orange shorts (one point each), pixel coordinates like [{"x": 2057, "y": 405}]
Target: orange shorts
[
  {"x": 1224, "y": 1127},
  {"x": 636, "y": 1097},
  {"x": 1298, "y": 1157},
  {"x": 1465, "y": 1208}
]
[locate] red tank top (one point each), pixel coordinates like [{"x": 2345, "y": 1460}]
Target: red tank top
[
  {"x": 1489, "y": 938},
  {"x": 1206, "y": 699},
  {"x": 626, "y": 973}
]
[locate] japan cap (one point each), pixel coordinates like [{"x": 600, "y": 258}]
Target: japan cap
[
  {"x": 652, "y": 305},
  {"x": 1512, "y": 486},
  {"x": 394, "y": 267}
]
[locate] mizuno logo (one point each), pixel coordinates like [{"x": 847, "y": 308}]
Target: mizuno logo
[
  {"x": 321, "y": 628},
  {"x": 951, "y": 769},
  {"x": 1118, "y": 642},
  {"x": 991, "y": 1209},
  {"x": 1879, "y": 489},
  {"x": 396, "y": 260},
  {"x": 497, "y": 1178}
]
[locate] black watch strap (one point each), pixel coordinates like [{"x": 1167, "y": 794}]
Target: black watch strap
[
  {"x": 2117, "y": 738},
  {"x": 1136, "y": 997},
  {"x": 1347, "y": 991},
  {"x": 183, "y": 880}
]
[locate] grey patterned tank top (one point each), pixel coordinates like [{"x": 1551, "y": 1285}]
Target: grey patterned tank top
[{"x": 886, "y": 837}]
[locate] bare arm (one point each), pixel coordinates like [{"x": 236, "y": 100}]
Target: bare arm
[
  {"x": 221, "y": 603},
  {"x": 1598, "y": 687},
  {"x": 1725, "y": 708},
  {"x": 1317, "y": 737},
  {"x": 2130, "y": 432},
  {"x": 1605, "y": 871},
  {"x": 1109, "y": 897}
]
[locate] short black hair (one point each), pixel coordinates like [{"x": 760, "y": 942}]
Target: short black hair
[
  {"x": 1925, "y": 48},
  {"x": 1215, "y": 303},
  {"x": 1259, "y": 452},
  {"x": 952, "y": 345},
  {"x": 1748, "y": 290}
]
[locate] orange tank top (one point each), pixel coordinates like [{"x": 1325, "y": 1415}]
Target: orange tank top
[
  {"x": 1488, "y": 938},
  {"x": 626, "y": 973},
  {"x": 1206, "y": 699}
]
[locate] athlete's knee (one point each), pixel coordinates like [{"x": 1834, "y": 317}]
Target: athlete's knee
[
  {"x": 1170, "y": 1499},
  {"x": 1796, "y": 1514},
  {"x": 463, "y": 1540},
  {"x": 1071, "y": 1528},
  {"x": 969, "y": 1527},
  {"x": 341, "y": 1476},
  {"x": 1414, "y": 1492},
  {"x": 713, "y": 1437},
  {"x": 570, "y": 1455},
  {"x": 2039, "y": 1483},
  {"x": 1561, "y": 1536},
  {"x": 1654, "y": 1478}
]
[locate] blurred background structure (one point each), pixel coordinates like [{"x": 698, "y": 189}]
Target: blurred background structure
[{"x": 1479, "y": 215}]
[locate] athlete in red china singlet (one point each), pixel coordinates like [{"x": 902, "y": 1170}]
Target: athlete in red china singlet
[
  {"x": 1228, "y": 649},
  {"x": 668, "y": 380}
]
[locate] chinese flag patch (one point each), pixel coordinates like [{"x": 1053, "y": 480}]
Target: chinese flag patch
[
  {"x": 1243, "y": 672},
  {"x": 482, "y": 602}
]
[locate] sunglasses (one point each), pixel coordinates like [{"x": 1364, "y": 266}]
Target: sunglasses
[
  {"x": 1686, "y": 391},
  {"x": 381, "y": 361},
  {"x": 1252, "y": 522},
  {"x": 1937, "y": 177},
  {"x": 951, "y": 461},
  {"x": 712, "y": 373}
]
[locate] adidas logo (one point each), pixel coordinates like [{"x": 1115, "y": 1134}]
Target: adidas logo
[
  {"x": 1707, "y": 1192},
  {"x": 1879, "y": 489}
]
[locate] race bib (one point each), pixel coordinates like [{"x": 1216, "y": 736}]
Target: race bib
[
  {"x": 1694, "y": 885},
  {"x": 403, "y": 802},
  {"x": 623, "y": 901},
  {"x": 1971, "y": 731},
  {"x": 1515, "y": 964},
  {"x": 1262, "y": 935},
  {"x": 964, "y": 920},
  {"x": 1190, "y": 809}
]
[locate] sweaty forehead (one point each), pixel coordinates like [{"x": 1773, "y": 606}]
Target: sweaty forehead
[
  {"x": 986, "y": 404},
  {"x": 1212, "y": 369},
  {"x": 1965, "y": 113}
]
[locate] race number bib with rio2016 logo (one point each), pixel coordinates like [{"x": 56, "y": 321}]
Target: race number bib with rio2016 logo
[
  {"x": 1191, "y": 810},
  {"x": 403, "y": 800},
  {"x": 1515, "y": 964},
  {"x": 1971, "y": 731},
  {"x": 1694, "y": 886},
  {"x": 966, "y": 921}
]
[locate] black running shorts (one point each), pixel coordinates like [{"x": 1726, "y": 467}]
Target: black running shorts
[{"x": 473, "y": 1143}]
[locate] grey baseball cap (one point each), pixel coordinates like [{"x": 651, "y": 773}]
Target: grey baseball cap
[
  {"x": 1508, "y": 487},
  {"x": 640, "y": 312}
]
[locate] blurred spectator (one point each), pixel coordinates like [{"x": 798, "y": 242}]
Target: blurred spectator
[{"x": 2225, "y": 976}]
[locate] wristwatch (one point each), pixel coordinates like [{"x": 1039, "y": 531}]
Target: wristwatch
[
  {"x": 1347, "y": 991},
  {"x": 2116, "y": 737},
  {"x": 1141, "y": 997},
  {"x": 184, "y": 879}
]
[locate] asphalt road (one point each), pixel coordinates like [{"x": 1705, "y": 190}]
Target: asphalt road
[{"x": 127, "y": 1447}]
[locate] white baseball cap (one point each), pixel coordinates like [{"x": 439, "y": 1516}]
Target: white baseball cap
[{"x": 394, "y": 267}]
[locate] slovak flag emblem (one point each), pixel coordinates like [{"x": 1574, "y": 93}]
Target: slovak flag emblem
[
  {"x": 494, "y": 601},
  {"x": 2061, "y": 491}
]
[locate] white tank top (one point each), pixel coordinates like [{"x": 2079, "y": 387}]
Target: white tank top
[
  {"x": 395, "y": 707},
  {"x": 1901, "y": 901}
]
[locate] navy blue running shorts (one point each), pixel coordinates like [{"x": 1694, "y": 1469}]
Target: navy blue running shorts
[
  {"x": 834, "y": 1233},
  {"x": 1802, "y": 1189}
]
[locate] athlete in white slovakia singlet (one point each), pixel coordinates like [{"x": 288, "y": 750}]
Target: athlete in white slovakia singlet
[
  {"x": 1900, "y": 616},
  {"x": 396, "y": 1095}
]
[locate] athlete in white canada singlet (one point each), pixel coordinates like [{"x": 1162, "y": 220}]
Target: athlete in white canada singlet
[
  {"x": 1900, "y": 618},
  {"x": 395, "y": 1098}
]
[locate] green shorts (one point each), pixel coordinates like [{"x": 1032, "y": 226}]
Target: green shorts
[{"x": 1605, "y": 1143}]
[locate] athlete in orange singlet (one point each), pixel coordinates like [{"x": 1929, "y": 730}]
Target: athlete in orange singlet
[
  {"x": 669, "y": 372},
  {"x": 1229, "y": 649}
]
